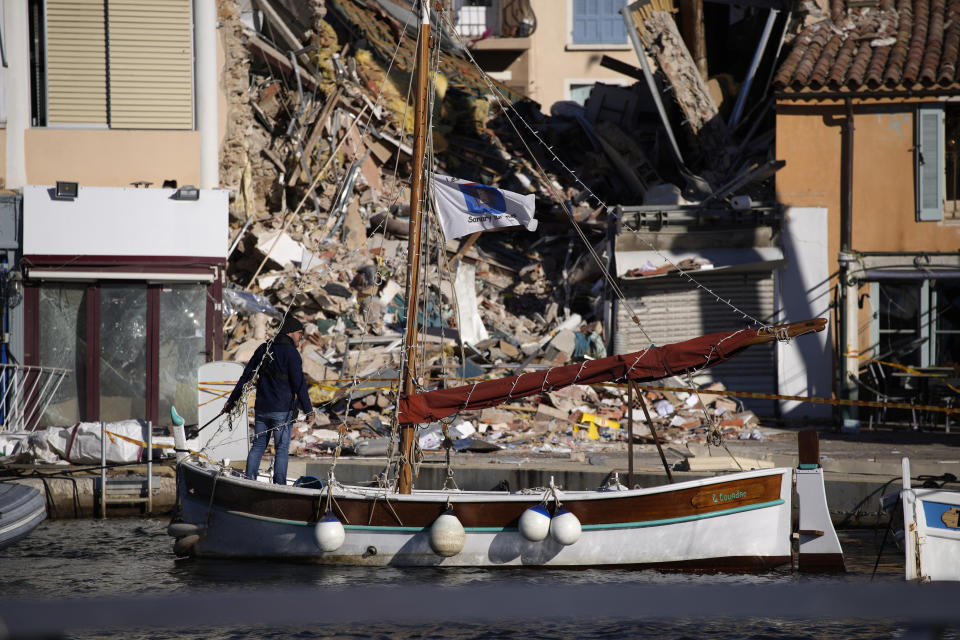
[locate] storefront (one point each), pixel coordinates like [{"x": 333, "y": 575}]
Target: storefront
[{"x": 125, "y": 293}]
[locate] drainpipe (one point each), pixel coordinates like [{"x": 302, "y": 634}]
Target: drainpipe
[
  {"x": 16, "y": 43},
  {"x": 206, "y": 85},
  {"x": 847, "y": 262}
]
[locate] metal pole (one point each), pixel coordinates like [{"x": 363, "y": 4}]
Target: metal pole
[
  {"x": 757, "y": 57},
  {"x": 149, "y": 468},
  {"x": 656, "y": 440},
  {"x": 103, "y": 473},
  {"x": 630, "y": 434}
]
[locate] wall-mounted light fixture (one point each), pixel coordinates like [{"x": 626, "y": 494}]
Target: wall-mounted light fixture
[
  {"x": 187, "y": 192},
  {"x": 67, "y": 190}
]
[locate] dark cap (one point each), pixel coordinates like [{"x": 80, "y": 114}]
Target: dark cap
[{"x": 291, "y": 324}]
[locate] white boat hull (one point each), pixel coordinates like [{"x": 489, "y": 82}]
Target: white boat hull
[
  {"x": 752, "y": 536},
  {"x": 931, "y": 532}
]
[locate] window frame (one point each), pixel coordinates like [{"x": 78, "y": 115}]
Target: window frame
[
  {"x": 927, "y": 319},
  {"x": 573, "y": 45}
]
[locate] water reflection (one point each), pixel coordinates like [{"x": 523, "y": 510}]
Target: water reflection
[{"x": 129, "y": 557}]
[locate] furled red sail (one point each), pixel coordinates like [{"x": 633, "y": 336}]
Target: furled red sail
[{"x": 642, "y": 366}]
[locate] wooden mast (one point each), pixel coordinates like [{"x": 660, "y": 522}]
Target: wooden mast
[{"x": 405, "y": 479}]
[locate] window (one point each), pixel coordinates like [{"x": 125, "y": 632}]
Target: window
[
  {"x": 476, "y": 18},
  {"x": 580, "y": 92},
  {"x": 598, "y": 22},
  {"x": 951, "y": 161},
  {"x": 62, "y": 312},
  {"x": 132, "y": 348},
  {"x": 900, "y": 323},
  {"x": 183, "y": 320},
  {"x": 946, "y": 305},
  {"x": 123, "y": 352},
  {"x": 917, "y": 323},
  {"x": 122, "y": 65}
]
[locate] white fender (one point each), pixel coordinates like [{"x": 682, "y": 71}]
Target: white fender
[
  {"x": 182, "y": 529},
  {"x": 184, "y": 546},
  {"x": 329, "y": 533},
  {"x": 447, "y": 536},
  {"x": 565, "y": 527},
  {"x": 535, "y": 523}
]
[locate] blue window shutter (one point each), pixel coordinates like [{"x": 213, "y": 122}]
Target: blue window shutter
[
  {"x": 929, "y": 162},
  {"x": 598, "y": 22}
]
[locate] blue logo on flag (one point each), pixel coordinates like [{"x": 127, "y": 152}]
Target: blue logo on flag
[{"x": 481, "y": 199}]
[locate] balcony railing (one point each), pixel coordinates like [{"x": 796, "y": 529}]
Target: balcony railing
[
  {"x": 476, "y": 19},
  {"x": 25, "y": 393}
]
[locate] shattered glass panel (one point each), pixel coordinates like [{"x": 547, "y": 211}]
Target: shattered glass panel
[
  {"x": 183, "y": 321},
  {"x": 63, "y": 329},
  {"x": 123, "y": 352}
]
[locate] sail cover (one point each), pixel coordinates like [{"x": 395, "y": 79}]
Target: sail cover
[{"x": 650, "y": 364}]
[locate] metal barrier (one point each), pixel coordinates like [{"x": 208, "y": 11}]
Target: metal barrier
[{"x": 25, "y": 393}]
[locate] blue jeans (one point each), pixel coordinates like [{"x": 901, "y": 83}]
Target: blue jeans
[{"x": 263, "y": 423}]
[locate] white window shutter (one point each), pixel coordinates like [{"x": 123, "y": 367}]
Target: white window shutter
[{"x": 928, "y": 158}]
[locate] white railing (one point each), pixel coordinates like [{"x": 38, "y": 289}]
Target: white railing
[
  {"x": 475, "y": 21},
  {"x": 25, "y": 393}
]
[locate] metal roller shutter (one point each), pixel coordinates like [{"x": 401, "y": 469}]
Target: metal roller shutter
[
  {"x": 76, "y": 63},
  {"x": 151, "y": 64},
  {"x": 671, "y": 310}
]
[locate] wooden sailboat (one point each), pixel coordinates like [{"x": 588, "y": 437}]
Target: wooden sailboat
[{"x": 738, "y": 521}]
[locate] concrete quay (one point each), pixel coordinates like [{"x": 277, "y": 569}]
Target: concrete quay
[{"x": 858, "y": 470}]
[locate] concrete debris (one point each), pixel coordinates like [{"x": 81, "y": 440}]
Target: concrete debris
[{"x": 318, "y": 152}]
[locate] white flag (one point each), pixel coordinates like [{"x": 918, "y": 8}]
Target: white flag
[{"x": 465, "y": 207}]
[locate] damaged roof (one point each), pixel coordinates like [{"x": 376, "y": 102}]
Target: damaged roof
[{"x": 876, "y": 46}]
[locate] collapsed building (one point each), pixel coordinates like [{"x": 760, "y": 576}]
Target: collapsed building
[{"x": 658, "y": 184}]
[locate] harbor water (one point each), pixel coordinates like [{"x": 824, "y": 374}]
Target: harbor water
[{"x": 118, "y": 559}]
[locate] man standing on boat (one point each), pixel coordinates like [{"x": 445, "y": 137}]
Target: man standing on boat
[{"x": 281, "y": 389}]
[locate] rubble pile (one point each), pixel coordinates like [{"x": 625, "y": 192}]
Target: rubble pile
[{"x": 318, "y": 159}]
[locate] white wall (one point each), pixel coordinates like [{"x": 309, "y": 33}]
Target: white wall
[
  {"x": 805, "y": 363},
  {"x": 107, "y": 221}
]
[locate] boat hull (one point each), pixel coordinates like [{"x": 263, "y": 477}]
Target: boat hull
[
  {"x": 932, "y": 534},
  {"x": 22, "y": 509},
  {"x": 737, "y": 522}
]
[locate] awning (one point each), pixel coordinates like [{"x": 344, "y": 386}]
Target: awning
[
  {"x": 878, "y": 275},
  {"x": 641, "y": 265},
  {"x": 93, "y": 275}
]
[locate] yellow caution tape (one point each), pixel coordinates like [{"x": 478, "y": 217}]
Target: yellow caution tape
[{"x": 140, "y": 443}]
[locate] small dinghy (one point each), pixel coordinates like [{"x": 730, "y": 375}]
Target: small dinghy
[{"x": 22, "y": 508}]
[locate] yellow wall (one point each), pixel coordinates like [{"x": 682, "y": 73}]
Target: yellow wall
[
  {"x": 884, "y": 211},
  {"x": 102, "y": 158},
  {"x": 808, "y": 137},
  {"x": 550, "y": 59}
]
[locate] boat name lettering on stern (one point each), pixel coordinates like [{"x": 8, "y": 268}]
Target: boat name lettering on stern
[{"x": 727, "y": 497}]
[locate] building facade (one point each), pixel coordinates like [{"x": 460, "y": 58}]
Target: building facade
[
  {"x": 110, "y": 141},
  {"x": 867, "y": 121}
]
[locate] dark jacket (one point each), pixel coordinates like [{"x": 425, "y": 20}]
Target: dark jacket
[{"x": 280, "y": 383}]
